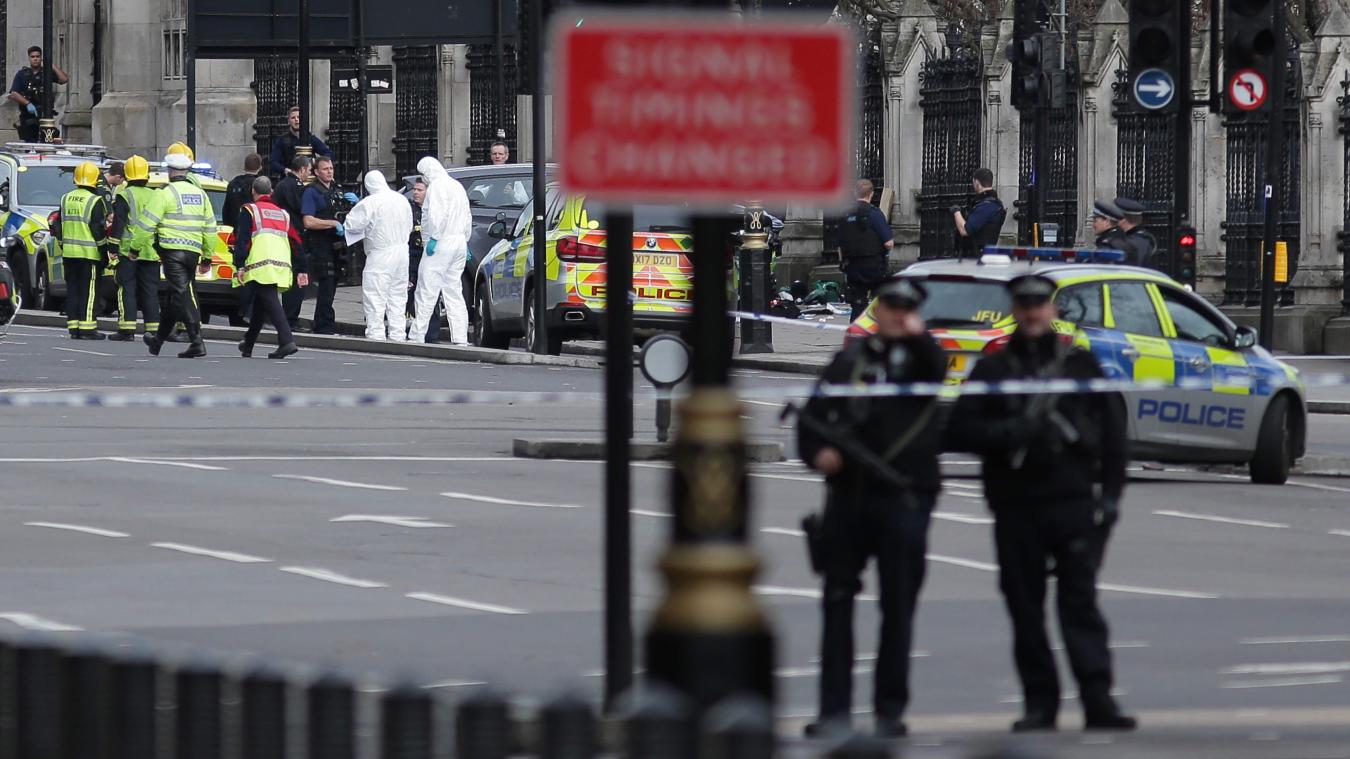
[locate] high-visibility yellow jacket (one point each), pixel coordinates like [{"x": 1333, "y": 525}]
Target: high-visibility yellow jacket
[{"x": 178, "y": 217}]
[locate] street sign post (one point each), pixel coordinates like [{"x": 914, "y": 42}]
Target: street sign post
[
  {"x": 1247, "y": 89},
  {"x": 1154, "y": 89},
  {"x": 688, "y": 108}
]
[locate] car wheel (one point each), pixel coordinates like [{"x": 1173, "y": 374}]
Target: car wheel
[
  {"x": 1274, "y": 444},
  {"x": 554, "y": 340},
  {"x": 484, "y": 334},
  {"x": 42, "y": 299}
]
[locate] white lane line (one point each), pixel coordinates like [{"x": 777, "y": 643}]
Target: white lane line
[
  {"x": 508, "y": 502},
  {"x": 34, "y": 622},
  {"x": 956, "y": 561},
  {"x": 964, "y": 485},
  {"x": 1294, "y": 640},
  {"x": 334, "y": 577},
  {"x": 1341, "y": 533},
  {"x": 777, "y": 590},
  {"x": 1288, "y": 682},
  {"x": 788, "y": 531},
  {"x": 463, "y": 603},
  {"x": 87, "y": 353},
  {"x": 391, "y": 520},
  {"x": 339, "y": 483},
  {"x": 652, "y": 514},
  {"x": 79, "y": 528},
  {"x": 964, "y": 494},
  {"x": 453, "y": 684},
  {"x": 1221, "y": 520},
  {"x": 157, "y": 462},
  {"x": 1163, "y": 592},
  {"x": 238, "y": 558},
  {"x": 1296, "y": 668},
  {"x": 762, "y": 403},
  {"x": 961, "y": 518}
]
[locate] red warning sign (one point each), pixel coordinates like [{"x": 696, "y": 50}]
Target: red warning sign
[{"x": 1247, "y": 89}]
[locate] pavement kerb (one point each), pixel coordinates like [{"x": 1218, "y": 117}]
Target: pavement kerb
[{"x": 1329, "y": 407}]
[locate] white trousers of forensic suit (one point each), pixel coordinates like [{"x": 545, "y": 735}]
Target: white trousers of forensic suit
[
  {"x": 439, "y": 276},
  {"x": 384, "y": 293}
]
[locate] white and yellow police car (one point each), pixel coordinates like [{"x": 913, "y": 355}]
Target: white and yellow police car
[{"x": 1142, "y": 326}]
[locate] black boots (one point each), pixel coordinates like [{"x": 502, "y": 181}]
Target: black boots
[
  {"x": 284, "y": 351},
  {"x": 196, "y": 350},
  {"x": 246, "y": 349},
  {"x": 1035, "y": 721},
  {"x": 122, "y": 337},
  {"x": 153, "y": 342}
]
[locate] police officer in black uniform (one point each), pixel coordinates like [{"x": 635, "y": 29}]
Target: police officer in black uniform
[
  {"x": 1054, "y": 471},
  {"x": 415, "y": 248},
  {"x": 981, "y": 225},
  {"x": 1142, "y": 242},
  {"x": 289, "y": 195},
  {"x": 1106, "y": 218},
  {"x": 878, "y": 508},
  {"x": 27, "y": 93},
  {"x": 323, "y": 239},
  {"x": 865, "y": 237}
]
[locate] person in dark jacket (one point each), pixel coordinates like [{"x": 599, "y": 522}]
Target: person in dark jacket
[
  {"x": 270, "y": 267},
  {"x": 288, "y": 195},
  {"x": 1106, "y": 226},
  {"x": 865, "y": 239},
  {"x": 1142, "y": 242},
  {"x": 240, "y": 190},
  {"x": 1054, "y": 472},
  {"x": 868, "y": 515},
  {"x": 283, "y": 150},
  {"x": 983, "y": 223},
  {"x": 415, "y": 250}
]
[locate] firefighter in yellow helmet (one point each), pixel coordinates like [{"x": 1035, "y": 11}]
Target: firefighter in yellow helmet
[
  {"x": 180, "y": 225},
  {"x": 81, "y": 228},
  {"x": 138, "y": 266},
  {"x": 180, "y": 148}
]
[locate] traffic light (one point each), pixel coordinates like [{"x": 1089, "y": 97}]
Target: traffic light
[
  {"x": 1026, "y": 52},
  {"x": 1159, "y": 50},
  {"x": 1251, "y": 39},
  {"x": 1186, "y": 255}
]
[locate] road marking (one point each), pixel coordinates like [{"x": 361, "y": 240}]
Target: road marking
[
  {"x": 239, "y": 558},
  {"x": 453, "y": 684},
  {"x": 391, "y": 520},
  {"x": 508, "y": 501},
  {"x": 156, "y": 462},
  {"x": 334, "y": 577},
  {"x": 959, "y": 562},
  {"x": 1296, "y": 668},
  {"x": 1222, "y": 520},
  {"x": 338, "y": 483},
  {"x": 34, "y": 622},
  {"x": 1341, "y": 533},
  {"x": 463, "y": 603},
  {"x": 762, "y": 403},
  {"x": 87, "y": 353},
  {"x": 1295, "y": 639},
  {"x": 1163, "y": 592},
  {"x": 788, "y": 531},
  {"x": 79, "y": 528},
  {"x": 652, "y": 514},
  {"x": 776, "y": 590},
  {"x": 961, "y": 518},
  {"x": 1288, "y": 682}
]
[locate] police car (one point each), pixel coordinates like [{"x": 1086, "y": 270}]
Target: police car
[
  {"x": 575, "y": 273},
  {"x": 1142, "y": 326}
]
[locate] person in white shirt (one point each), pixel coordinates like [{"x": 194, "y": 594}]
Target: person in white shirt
[
  {"x": 446, "y": 226},
  {"x": 383, "y": 219}
]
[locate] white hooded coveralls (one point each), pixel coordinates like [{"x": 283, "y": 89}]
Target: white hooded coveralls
[
  {"x": 384, "y": 219},
  {"x": 445, "y": 219}
]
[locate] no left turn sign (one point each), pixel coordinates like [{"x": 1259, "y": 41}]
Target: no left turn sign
[{"x": 1247, "y": 89}]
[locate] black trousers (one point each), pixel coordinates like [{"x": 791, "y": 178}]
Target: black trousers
[
  {"x": 325, "y": 318},
  {"x": 266, "y": 306},
  {"x": 1026, "y": 540},
  {"x": 291, "y": 301},
  {"x": 137, "y": 291},
  {"x": 180, "y": 271},
  {"x": 81, "y": 282},
  {"x": 862, "y": 276},
  {"x": 894, "y": 530}
]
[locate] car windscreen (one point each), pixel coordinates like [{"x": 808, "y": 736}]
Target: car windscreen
[
  {"x": 965, "y": 302},
  {"x": 218, "y": 204},
  {"x": 649, "y": 218},
  {"x": 44, "y": 185}
]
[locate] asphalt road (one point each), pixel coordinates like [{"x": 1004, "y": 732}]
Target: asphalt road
[{"x": 408, "y": 543}]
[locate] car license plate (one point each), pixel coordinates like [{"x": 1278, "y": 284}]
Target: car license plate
[
  {"x": 956, "y": 363},
  {"x": 665, "y": 260}
]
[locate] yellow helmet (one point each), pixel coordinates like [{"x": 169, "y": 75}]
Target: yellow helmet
[
  {"x": 86, "y": 175},
  {"x": 136, "y": 168},
  {"x": 179, "y": 148}
]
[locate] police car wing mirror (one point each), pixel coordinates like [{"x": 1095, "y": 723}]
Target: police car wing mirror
[
  {"x": 497, "y": 230},
  {"x": 501, "y": 216},
  {"x": 1244, "y": 338}
]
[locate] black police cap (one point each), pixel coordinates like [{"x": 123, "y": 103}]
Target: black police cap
[
  {"x": 902, "y": 293},
  {"x": 1031, "y": 288},
  {"x": 1107, "y": 210},
  {"x": 1130, "y": 206}
]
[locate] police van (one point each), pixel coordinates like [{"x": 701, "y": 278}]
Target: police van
[{"x": 1142, "y": 326}]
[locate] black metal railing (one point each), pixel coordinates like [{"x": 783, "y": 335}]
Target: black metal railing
[
  {"x": 1062, "y": 183},
  {"x": 1146, "y": 150},
  {"x": 276, "y": 87},
  {"x": 344, "y": 123},
  {"x": 952, "y": 102},
  {"x": 415, "y": 106},
  {"x": 1244, "y": 225},
  {"x": 1344, "y": 237},
  {"x": 492, "y": 114}
]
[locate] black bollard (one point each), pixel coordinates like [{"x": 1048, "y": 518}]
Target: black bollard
[
  {"x": 740, "y": 727},
  {"x": 198, "y": 688},
  {"x": 38, "y": 718},
  {"x": 483, "y": 727},
  {"x": 858, "y": 746},
  {"x": 134, "y": 683},
  {"x": 332, "y": 718},
  {"x": 406, "y": 716},
  {"x": 569, "y": 729},
  {"x": 86, "y": 703},
  {"x": 658, "y": 724},
  {"x": 262, "y": 721}
]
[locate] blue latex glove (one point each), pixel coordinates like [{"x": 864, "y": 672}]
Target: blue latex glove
[
  {"x": 341, "y": 230},
  {"x": 351, "y": 197},
  {"x": 431, "y": 248},
  {"x": 31, "y": 109}
]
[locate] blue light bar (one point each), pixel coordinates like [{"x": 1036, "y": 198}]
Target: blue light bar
[{"x": 1065, "y": 255}]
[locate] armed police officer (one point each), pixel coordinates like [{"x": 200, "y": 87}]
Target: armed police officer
[
  {"x": 879, "y": 457},
  {"x": 81, "y": 227},
  {"x": 865, "y": 239},
  {"x": 981, "y": 225},
  {"x": 323, "y": 234},
  {"x": 283, "y": 150},
  {"x": 1142, "y": 242},
  {"x": 1054, "y": 471},
  {"x": 26, "y": 92}
]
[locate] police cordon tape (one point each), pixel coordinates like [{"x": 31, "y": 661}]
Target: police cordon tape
[{"x": 28, "y": 398}]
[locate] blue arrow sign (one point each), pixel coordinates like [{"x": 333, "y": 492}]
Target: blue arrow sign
[{"x": 1154, "y": 89}]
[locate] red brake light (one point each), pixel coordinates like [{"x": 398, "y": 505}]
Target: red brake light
[
  {"x": 4, "y": 290},
  {"x": 52, "y": 219},
  {"x": 570, "y": 250},
  {"x": 1187, "y": 241},
  {"x": 997, "y": 344}
]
